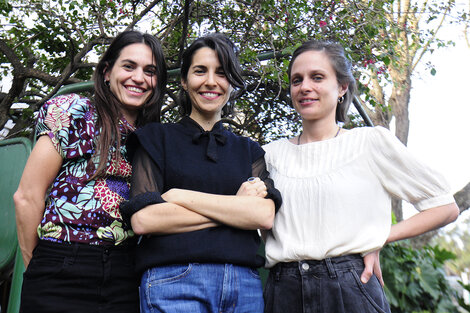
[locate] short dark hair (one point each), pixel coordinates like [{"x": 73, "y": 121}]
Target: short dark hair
[
  {"x": 341, "y": 65},
  {"x": 107, "y": 104},
  {"x": 227, "y": 54}
]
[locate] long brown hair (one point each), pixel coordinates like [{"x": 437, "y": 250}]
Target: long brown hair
[{"x": 108, "y": 107}]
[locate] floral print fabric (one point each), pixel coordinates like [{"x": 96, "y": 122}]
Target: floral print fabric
[{"x": 78, "y": 210}]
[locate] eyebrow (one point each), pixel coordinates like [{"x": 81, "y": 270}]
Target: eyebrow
[
  {"x": 128, "y": 60},
  {"x": 134, "y": 62}
]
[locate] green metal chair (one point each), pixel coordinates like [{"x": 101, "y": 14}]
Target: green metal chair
[{"x": 13, "y": 156}]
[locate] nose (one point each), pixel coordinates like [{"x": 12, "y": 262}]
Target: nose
[
  {"x": 138, "y": 76},
  {"x": 211, "y": 79},
  {"x": 305, "y": 86}
]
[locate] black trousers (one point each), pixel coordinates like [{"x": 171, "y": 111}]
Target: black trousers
[
  {"x": 80, "y": 278},
  {"x": 328, "y": 286}
]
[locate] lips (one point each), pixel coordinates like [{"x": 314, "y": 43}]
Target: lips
[{"x": 307, "y": 101}]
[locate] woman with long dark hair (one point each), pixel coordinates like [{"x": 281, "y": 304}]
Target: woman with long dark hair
[
  {"x": 199, "y": 194},
  {"x": 77, "y": 251}
]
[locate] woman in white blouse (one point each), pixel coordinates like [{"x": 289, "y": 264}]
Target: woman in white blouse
[{"x": 336, "y": 186}]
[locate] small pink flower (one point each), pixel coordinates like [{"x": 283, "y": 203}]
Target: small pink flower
[{"x": 322, "y": 23}]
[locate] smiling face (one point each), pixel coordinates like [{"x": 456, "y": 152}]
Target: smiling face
[
  {"x": 132, "y": 79},
  {"x": 207, "y": 86},
  {"x": 314, "y": 87}
]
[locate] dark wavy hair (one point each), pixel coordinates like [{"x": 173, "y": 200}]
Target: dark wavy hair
[
  {"x": 108, "y": 106},
  {"x": 228, "y": 58},
  {"x": 341, "y": 65}
]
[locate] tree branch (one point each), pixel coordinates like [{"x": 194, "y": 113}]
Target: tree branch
[
  {"x": 428, "y": 43},
  {"x": 142, "y": 14}
]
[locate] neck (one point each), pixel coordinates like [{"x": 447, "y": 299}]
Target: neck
[
  {"x": 318, "y": 130},
  {"x": 130, "y": 116},
  {"x": 206, "y": 122}
]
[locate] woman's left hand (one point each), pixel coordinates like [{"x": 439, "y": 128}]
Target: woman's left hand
[
  {"x": 372, "y": 266},
  {"x": 253, "y": 187}
]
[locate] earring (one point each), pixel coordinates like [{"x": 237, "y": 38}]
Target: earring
[
  {"x": 340, "y": 99},
  {"x": 106, "y": 82}
]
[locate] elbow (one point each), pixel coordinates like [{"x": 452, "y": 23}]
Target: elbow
[
  {"x": 21, "y": 201},
  {"x": 137, "y": 223},
  {"x": 267, "y": 221},
  {"x": 454, "y": 213}
]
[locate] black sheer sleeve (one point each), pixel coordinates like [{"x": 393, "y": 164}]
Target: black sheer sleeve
[
  {"x": 258, "y": 169},
  {"x": 146, "y": 185},
  {"x": 146, "y": 176}
]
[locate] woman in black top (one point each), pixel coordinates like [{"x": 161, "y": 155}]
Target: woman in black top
[{"x": 194, "y": 197}]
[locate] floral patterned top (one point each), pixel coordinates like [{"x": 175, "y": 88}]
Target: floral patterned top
[{"x": 78, "y": 210}]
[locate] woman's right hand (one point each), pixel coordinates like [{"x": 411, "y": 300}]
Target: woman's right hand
[
  {"x": 372, "y": 266},
  {"x": 253, "y": 187}
]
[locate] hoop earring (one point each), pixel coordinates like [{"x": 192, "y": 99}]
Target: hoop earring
[
  {"x": 340, "y": 99},
  {"x": 106, "y": 82}
]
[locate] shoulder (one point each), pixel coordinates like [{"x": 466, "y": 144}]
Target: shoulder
[
  {"x": 243, "y": 143},
  {"x": 72, "y": 105},
  {"x": 371, "y": 137},
  {"x": 151, "y": 138},
  {"x": 69, "y": 121},
  {"x": 276, "y": 145},
  {"x": 149, "y": 129},
  {"x": 381, "y": 138},
  {"x": 60, "y": 112}
]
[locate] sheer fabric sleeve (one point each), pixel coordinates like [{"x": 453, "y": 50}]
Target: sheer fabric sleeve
[
  {"x": 403, "y": 176},
  {"x": 258, "y": 169},
  {"x": 146, "y": 185}
]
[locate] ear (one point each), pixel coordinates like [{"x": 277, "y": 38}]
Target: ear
[
  {"x": 106, "y": 72},
  {"x": 184, "y": 84},
  {"x": 343, "y": 89}
]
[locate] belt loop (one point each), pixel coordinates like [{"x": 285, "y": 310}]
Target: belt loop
[
  {"x": 69, "y": 260},
  {"x": 330, "y": 267}
]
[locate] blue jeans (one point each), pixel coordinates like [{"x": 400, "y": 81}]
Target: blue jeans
[
  {"x": 326, "y": 286},
  {"x": 201, "y": 288}
]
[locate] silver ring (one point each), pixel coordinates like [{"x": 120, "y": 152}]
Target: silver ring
[{"x": 251, "y": 179}]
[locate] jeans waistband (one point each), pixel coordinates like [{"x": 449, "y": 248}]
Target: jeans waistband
[
  {"x": 328, "y": 266},
  {"x": 75, "y": 246}
]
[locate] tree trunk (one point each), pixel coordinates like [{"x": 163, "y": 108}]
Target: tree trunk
[
  {"x": 399, "y": 103},
  {"x": 462, "y": 198},
  {"x": 397, "y": 209},
  {"x": 422, "y": 240}
]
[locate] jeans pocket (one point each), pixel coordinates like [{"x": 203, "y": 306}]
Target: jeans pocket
[
  {"x": 372, "y": 291},
  {"x": 168, "y": 273},
  {"x": 42, "y": 267}
]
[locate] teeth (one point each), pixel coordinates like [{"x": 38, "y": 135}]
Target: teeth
[
  {"x": 209, "y": 94},
  {"x": 135, "y": 89}
]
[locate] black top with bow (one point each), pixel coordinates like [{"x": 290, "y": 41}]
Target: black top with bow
[{"x": 183, "y": 155}]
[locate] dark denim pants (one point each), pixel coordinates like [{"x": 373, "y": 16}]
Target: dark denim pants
[
  {"x": 326, "y": 286},
  {"x": 79, "y": 278}
]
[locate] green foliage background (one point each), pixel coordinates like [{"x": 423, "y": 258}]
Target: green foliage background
[{"x": 47, "y": 44}]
